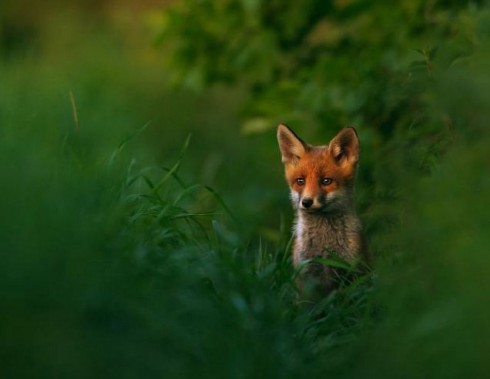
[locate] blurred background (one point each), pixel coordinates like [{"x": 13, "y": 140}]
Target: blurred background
[{"x": 145, "y": 219}]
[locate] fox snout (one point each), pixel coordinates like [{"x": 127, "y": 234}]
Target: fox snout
[
  {"x": 307, "y": 202},
  {"x": 310, "y": 203}
]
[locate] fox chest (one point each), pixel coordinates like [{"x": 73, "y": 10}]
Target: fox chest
[{"x": 324, "y": 237}]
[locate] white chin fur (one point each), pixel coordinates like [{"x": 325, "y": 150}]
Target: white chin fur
[
  {"x": 295, "y": 198},
  {"x": 332, "y": 195},
  {"x": 331, "y": 199}
]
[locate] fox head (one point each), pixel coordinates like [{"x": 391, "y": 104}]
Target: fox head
[{"x": 321, "y": 178}]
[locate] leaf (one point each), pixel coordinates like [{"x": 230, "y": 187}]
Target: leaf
[
  {"x": 335, "y": 263},
  {"x": 256, "y": 125}
]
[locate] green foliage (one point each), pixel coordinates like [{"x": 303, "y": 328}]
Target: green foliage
[
  {"x": 436, "y": 323},
  {"x": 121, "y": 272},
  {"x": 320, "y": 65}
]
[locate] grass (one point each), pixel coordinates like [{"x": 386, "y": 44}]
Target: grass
[
  {"x": 116, "y": 268},
  {"x": 119, "y": 270}
]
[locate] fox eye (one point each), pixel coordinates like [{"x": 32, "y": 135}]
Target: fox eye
[
  {"x": 300, "y": 181},
  {"x": 326, "y": 181}
]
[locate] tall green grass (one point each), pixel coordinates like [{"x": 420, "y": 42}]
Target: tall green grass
[{"x": 114, "y": 269}]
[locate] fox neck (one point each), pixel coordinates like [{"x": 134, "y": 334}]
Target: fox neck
[{"x": 323, "y": 234}]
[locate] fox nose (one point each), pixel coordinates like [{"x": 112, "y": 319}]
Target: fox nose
[{"x": 307, "y": 202}]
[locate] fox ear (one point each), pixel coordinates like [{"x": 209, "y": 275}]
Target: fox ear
[
  {"x": 344, "y": 147},
  {"x": 291, "y": 146}
]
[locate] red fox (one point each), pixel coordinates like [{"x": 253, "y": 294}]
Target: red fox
[{"x": 321, "y": 179}]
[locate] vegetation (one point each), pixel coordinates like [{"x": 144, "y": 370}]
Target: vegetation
[{"x": 144, "y": 217}]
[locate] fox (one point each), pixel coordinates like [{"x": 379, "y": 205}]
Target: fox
[{"x": 321, "y": 181}]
